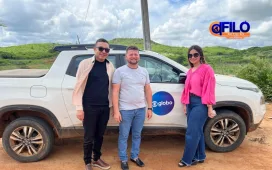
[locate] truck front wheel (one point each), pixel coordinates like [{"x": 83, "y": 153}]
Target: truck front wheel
[{"x": 225, "y": 132}]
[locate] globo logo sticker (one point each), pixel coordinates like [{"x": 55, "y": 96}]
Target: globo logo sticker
[{"x": 162, "y": 103}]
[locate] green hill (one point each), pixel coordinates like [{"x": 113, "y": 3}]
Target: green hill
[
  {"x": 27, "y": 56},
  {"x": 223, "y": 59}
]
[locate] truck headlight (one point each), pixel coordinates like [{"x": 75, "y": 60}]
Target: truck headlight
[{"x": 249, "y": 88}]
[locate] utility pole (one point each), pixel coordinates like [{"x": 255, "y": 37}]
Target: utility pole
[
  {"x": 78, "y": 39},
  {"x": 145, "y": 22}
]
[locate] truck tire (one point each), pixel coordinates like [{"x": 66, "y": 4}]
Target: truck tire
[
  {"x": 225, "y": 132},
  {"x": 28, "y": 139}
]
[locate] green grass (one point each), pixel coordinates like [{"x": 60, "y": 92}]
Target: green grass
[
  {"x": 223, "y": 59},
  {"x": 26, "y": 64},
  {"x": 227, "y": 69},
  {"x": 27, "y": 56},
  {"x": 28, "y": 51}
]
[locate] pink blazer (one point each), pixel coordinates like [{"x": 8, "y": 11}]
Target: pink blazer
[{"x": 201, "y": 82}]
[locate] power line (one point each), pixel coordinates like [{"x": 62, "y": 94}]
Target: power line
[
  {"x": 84, "y": 19},
  {"x": 88, "y": 9}
]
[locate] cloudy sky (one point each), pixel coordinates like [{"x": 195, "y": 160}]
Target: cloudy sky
[{"x": 172, "y": 22}]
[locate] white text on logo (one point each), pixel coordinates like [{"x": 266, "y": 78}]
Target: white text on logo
[{"x": 161, "y": 103}]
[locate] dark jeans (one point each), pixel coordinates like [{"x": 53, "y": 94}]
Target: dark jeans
[
  {"x": 197, "y": 114},
  {"x": 95, "y": 122}
]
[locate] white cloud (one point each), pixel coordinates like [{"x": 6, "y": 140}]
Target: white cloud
[
  {"x": 172, "y": 22},
  {"x": 185, "y": 25},
  {"x": 250, "y": 9},
  {"x": 263, "y": 30},
  {"x": 65, "y": 19},
  {"x": 190, "y": 23}
]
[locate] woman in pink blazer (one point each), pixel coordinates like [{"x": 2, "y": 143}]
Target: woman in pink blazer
[{"x": 197, "y": 97}]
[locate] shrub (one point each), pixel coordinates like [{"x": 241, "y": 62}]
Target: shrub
[
  {"x": 5, "y": 55},
  {"x": 259, "y": 72}
]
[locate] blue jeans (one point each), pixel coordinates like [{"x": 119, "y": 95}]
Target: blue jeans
[
  {"x": 197, "y": 114},
  {"x": 133, "y": 119}
]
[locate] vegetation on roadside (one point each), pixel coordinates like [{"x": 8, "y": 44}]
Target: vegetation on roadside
[
  {"x": 259, "y": 72},
  {"x": 252, "y": 64}
]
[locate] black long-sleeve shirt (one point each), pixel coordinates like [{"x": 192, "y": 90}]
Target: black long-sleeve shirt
[{"x": 97, "y": 88}]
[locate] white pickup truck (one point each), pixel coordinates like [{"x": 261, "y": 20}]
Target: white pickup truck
[{"x": 36, "y": 105}]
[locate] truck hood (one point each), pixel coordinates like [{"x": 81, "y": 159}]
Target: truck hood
[{"x": 233, "y": 81}]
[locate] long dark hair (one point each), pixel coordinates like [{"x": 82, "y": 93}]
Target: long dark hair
[{"x": 200, "y": 51}]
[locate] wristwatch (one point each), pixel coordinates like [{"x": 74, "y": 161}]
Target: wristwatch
[{"x": 149, "y": 109}]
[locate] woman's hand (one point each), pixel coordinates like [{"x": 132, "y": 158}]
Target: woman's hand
[
  {"x": 211, "y": 112},
  {"x": 184, "y": 109}
]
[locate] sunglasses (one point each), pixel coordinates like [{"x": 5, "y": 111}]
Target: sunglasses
[
  {"x": 193, "y": 55},
  {"x": 101, "y": 49}
]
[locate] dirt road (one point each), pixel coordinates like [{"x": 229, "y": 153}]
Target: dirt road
[{"x": 160, "y": 153}]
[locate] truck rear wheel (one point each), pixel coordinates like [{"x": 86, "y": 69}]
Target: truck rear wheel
[{"x": 28, "y": 139}]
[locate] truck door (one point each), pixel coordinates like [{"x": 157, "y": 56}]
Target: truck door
[
  {"x": 166, "y": 89},
  {"x": 69, "y": 83}
]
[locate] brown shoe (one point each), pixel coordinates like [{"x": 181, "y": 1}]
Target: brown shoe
[
  {"x": 101, "y": 164},
  {"x": 88, "y": 167}
]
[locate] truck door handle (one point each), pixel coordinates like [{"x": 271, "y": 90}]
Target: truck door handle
[{"x": 70, "y": 88}]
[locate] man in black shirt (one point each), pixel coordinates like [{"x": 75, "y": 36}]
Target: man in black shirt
[{"x": 96, "y": 100}]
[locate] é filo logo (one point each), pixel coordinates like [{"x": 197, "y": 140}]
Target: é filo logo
[{"x": 230, "y": 30}]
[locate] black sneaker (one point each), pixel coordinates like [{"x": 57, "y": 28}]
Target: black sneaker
[
  {"x": 124, "y": 165},
  {"x": 138, "y": 162}
]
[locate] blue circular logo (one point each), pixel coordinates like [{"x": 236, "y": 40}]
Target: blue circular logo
[{"x": 162, "y": 103}]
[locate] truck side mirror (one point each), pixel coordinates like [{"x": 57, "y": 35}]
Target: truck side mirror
[{"x": 182, "y": 78}]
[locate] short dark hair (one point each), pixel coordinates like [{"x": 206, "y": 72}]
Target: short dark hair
[
  {"x": 101, "y": 40},
  {"x": 200, "y": 51},
  {"x": 132, "y": 48}
]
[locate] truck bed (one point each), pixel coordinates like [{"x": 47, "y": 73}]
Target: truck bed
[{"x": 23, "y": 73}]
